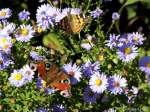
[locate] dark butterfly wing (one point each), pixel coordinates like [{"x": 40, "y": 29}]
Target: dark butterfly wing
[{"x": 65, "y": 24}]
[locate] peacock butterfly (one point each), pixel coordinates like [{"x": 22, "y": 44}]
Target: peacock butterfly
[{"x": 55, "y": 78}]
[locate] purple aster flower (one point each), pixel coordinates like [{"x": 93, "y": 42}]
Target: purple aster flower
[
  {"x": 40, "y": 83},
  {"x": 58, "y": 108},
  {"x": 87, "y": 44},
  {"x": 144, "y": 64},
  {"x": 24, "y": 15},
  {"x": 96, "y": 13},
  {"x": 127, "y": 52},
  {"x": 113, "y": 41},
  {"x": 116, "y": 84},
  {"x": 36, "y": 56},
  {"x": 9, "y": 28},
  {"x": 46, "y": 16},
  {"x": 136, "y": 38},
  {"x": 98, "y": 82},
  {"x": 28, "y": 72},
  {"x": 17, "y": 78},
  {"x": 65, "y": 12},
  {"x": 4, "y": 61},
  {"x": 89, "y": 96},
  {"x": 41, "y": 109},
  {"x": 5, "y": 13},
  {"x": 90, "y": 68},
  {"x": 49, "y": 91},
  {"x": 24, "y": 33},
  {"x": 115, "y": 16},
  {"x": 5, "y": 43},
  {"x": 74, "y": 71},
  {"x": 124, "y": 39}
]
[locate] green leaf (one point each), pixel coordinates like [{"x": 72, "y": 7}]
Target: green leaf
[
  {"x": 146, "y": 109},
  {"x": 52, "y": 41}
]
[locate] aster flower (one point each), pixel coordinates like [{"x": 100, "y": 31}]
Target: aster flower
[
  {"x": 74, "y": 71},
  {"x": 96, "y": 13},
  {"x": 124, "y": 39},
  {"x": 136, "y": 38},
  {"x": 58, "y": 108},
  {"x": 90, "y": 68},
  {"x": 115, "y": 16},
  {"x": 127, "y": 52},
  {"x": 144, "y": 64},
  {"x": 87, "y": 44},
  {"x": 46, "y": 16},
  {"x": 29, "y": 74},
  {"x": 116, "y": 84},
  {"x": 89, "y": 96},
  {"x": 49, "y": 91},
  {"x": 36, "y": 56},
  {"x": 9, "y": 28},
  {"x": 65, "y": 12},
  {"x": 113, "y": 41},
  {"x": 41, "y": 109},
  {"x": 98, "y": 82},
  {"x": 24, "y": 15},
  {"x": 4, "y": 61},
  {"x": 110, "y": 110},
  {"x": 24, "y": 33},
  {"x": 40, "y": 83},
  {"x": 5, "y": 13},
  {"x": 17, "y": 78},
  {"x": 5, "y": 43}
]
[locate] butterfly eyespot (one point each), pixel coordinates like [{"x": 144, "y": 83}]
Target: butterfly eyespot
[
  {"x": 66, "y": 81},
  {"x": 66, "y": 93},
  {"x": 47, "y": 66},
  {"x": 33, "y": 66}
]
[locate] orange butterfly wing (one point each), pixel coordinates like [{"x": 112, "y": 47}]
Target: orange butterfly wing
[
  {"x": 41, "y": 70},
  {"x": 53, "y": 77}
]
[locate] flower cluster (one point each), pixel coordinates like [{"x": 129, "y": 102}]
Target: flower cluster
[
  {"x": 38, "y": 57},
  {"x": 22, "y": 76},
  {"x": 126, "y": 45}
]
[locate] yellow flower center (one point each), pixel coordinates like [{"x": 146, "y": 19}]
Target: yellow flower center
[
  {"x": 2, "y": 13},
  {"x": 3, "y": 40},
  {"x": 98, "y": 82},
  {"x": 101, "y": 57},
  {"x": 18, "y": 77},
  {"x": 39, "y": 29},
  {"x": 127, "y": 50},
  {"x": 6, "y": 46},
  {"x": 136, "y": 38},
  {"x": 44, "y": 83},
  {"x": 116, "y": 84},
  {"x": 24, "y": 32},
  {"x": 148, "y": 65}
]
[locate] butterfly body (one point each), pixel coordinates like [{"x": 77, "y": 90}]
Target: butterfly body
[{"x": 73, "y": 23}]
